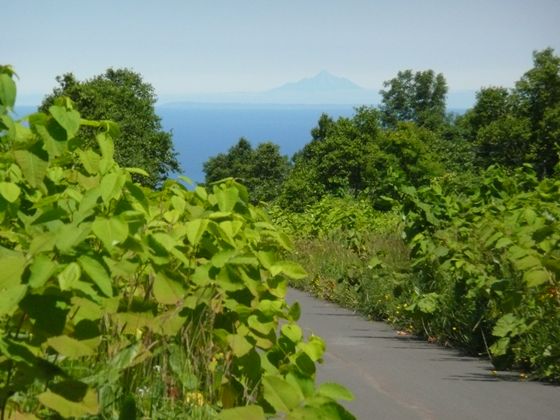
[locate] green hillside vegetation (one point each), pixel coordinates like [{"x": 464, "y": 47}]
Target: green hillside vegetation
[
  {"x": 446, "y": 226},
  {"x": 121, "y": 301}
]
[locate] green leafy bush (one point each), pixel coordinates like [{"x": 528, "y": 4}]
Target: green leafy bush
[
  {"x": 479, "y": 268},
  {"x": 352, "y": 252},
  {"x": 486, "y": 267},
  {"x": 120, "y": 301}
]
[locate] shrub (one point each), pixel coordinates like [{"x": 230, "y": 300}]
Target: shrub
[{"x": 117, "y": 300}]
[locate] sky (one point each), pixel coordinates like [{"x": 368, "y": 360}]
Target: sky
[{"x": 193, "y": 46}]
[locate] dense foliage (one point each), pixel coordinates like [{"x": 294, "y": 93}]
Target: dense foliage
[
  {"x": 521, "y": 125},
  {"x": 487, "y": 264},
  {"x": 417, "y": 97},
  {"x": 478, "y": 268},
  {"x": 122, "y": 96},
  {"x": 262, "y": 170},
  {"x": 475, "y": 261},
  {"x": 358, "y": 156},
  {"x": 120, "y": 301}
]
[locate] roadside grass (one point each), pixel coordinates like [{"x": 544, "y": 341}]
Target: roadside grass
[{"x": 368, "y": 278}]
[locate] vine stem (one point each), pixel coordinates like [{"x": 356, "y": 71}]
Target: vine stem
[{"x": 486, "y": 345}]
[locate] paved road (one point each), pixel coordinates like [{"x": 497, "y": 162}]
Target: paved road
[{"x": 395, "y": 377}]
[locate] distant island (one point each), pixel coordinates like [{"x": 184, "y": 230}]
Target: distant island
[{"x": 322, "y": 89}]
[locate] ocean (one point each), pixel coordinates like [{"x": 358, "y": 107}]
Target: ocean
[{"x": 204, "y": 130}]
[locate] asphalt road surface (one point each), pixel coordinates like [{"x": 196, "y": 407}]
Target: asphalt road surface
[{"x": 399, "y": 377}]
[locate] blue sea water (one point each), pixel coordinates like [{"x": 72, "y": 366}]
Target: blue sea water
[{"x": 204, "y": 130}]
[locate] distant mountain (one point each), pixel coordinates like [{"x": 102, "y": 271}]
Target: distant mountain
[
  {"x": 323, "y": 88},
  {"x": 321, "y": 82}
]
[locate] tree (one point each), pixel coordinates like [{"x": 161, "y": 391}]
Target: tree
[
  {"x": 538, "y": 95},
  {"x": 269, "y": 171},
  {"x": 121, "y": 95},
  {"x": 410, "y": 151},
  {"x": 539, "y": 88},
  {"x": 505, "y": 141},
  {"x": 492, "y": 103},
  {"x": 324, "y": 124},
  {"x": 522, "y": 125},
  {"x": 236, "y": 163},
  {"x": 262, "y": 170},
  {"x": 414, "y": 97},
  {"x": 338, "y": 154},
  {"x": 355, "y": 155}
]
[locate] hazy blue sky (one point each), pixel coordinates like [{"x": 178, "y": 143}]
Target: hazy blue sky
[{"x": 240, "y": 45}]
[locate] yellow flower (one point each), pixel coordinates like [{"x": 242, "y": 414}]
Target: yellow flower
[{"x": 194, "y": 398}]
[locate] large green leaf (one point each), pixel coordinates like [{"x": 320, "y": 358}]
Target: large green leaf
[
  {"x": 304, "y": 382},
  {"x": 293, "y": 332},
  {"x": 68, "y": 236},
  {"x": 69, "y": 277},
  {"x": 288, "y": 268},
  {"x": 295, "y": 311},
  {"x": 7, "y": 91},
  {"x": 170, "y": 245},
  {"x": 33, "y": 166},
  {"x": 239, "y": 344},
  {"x": 280, "y": 394},
  {"x": 322, "y": 410},
  {"x": 227, "y": 198},
  {"x": 18, "y": 351},
  {"x": 508, "y": 325},
  {"x": 68, "y": 119},
  {"x": 106, "y": 146},
  {"x": 261, "y": 326},
  {"x": 266, "y": 258},
  {"x": 90, "y": 160},
  {"x": 111, "y": 231},
  {"x": 314, "y": 348},
  {"x": 221, "y": 258},
  {"x": 67, "y": 408},
  {"x": 428, "y": 303},
  {"x": 97, "y": 273},
  {"x": 88, "y": 310},
  {"x": 12, "y": 267},
  {"x": 535, "y": 278},
  {"x": 167, "y": 291},
  {"x": 42, "y": 243},
  {"x": 111, "y": 186},
  {"x": 9, "y": 191},
  {"x": 42, "y": 269},
  {"x": 335, "y": 391},
  {"x": 70, "y": 347},
  {"x": 249, "y": 412},
  {"x": 527, "y": 263},
  {"x": 10, "y": 298},
  {"x": 500, "y": 347},
  {"x": 133, "y": 321}
]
